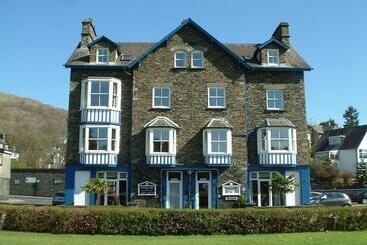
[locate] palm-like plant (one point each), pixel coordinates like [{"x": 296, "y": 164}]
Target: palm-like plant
[
  {"x": 98, "y": 187},
  {"x": 283, "y": 184}
]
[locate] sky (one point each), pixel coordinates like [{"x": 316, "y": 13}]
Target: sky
[{"x": 37, "y": 37}]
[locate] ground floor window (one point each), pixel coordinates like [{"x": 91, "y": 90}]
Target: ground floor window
[{"x": 117, "y": 193}]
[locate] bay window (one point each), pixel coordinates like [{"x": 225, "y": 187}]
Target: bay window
[
  {"x": 101, "y": 93},
  {"x": 96, "y": 138},
  {"x": 277, "y": 139},
  {"x": 160, "y": 141},
  {"x": 217, "y": 142}
]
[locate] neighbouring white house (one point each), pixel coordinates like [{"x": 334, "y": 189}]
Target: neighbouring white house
[{"x": 345, "y": 147}]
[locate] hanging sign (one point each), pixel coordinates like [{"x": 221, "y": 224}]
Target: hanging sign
[{"x": 147, "y": 188}]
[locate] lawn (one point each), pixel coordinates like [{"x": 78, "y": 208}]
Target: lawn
[{"x": 324, "y": 238}]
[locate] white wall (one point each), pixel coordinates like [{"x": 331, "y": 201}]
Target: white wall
[
  {"x": 363, "y": 145},
  {"x": 294, "y": 198},
  {"x": 81, "y": 197},
  {"x": 347, "y": 160}
]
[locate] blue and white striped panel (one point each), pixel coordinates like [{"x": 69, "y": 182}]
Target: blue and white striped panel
[
  {"x": 98, "y": 158},
  {"x": 277, "y": 158},
  {"x": 161, "y": 160},
  {"x": 101, "y": 116},
  {"x": 225, "y": 160}
]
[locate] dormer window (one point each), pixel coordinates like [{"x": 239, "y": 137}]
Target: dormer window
[
  {"x": 102, "y": 55},
  {"x": 197, "y": 59},
  {"x": 180, "y": 59},
  {"x": 273, "y": 57},
  {"x": 335, "y": 140}
]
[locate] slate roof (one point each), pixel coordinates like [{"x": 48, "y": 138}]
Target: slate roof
[
  {"x": 218, "y": 123},
  {"x": 161, "y": 122},
  {"x": 352, "y": 139},
  {"x": 244, "y": 53},
  {"x": 276, "y": 122}
]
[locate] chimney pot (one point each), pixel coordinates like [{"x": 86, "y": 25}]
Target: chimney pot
[{"x": 282, "y": 33}]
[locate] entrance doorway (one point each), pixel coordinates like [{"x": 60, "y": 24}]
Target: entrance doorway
[
  {"x": 261, "y": 189},
  {"x": 203, "y": 190},
  {"x": 174, "y": 190},
  {"x": 117, "y": 193}
]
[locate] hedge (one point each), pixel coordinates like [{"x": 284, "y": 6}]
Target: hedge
[{"x": 148, "y": 221}]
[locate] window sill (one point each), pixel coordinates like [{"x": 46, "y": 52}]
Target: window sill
[
  {"x": 160, "y": 108},
  {"x": 217, "y": 108},
  {"x": 274, "y": 110}
]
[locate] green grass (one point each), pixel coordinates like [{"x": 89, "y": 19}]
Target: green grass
[{"x": 324, "y": 238}]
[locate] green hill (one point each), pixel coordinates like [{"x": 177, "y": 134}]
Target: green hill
[{"x": 35, "y": 129}]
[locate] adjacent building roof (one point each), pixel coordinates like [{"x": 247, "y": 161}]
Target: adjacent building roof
[
  {"x": 161, "y": 122},
  {"x": 244, "y": 53},
  {"x": 351, "y": 140},
  {"x": 276, "y": 122},
  {"x": 218, "y": 123}
]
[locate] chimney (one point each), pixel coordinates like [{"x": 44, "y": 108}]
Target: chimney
[
  {"x": 282, "y": 33},
  {"x": 88, "y": 32}
]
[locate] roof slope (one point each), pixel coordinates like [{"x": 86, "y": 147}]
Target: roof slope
[
  {"x": 353, "y": 137},
  {"x": 244, "y": 53}
]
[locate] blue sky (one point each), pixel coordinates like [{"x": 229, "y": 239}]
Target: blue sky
[{"x": 38, "y": 37}]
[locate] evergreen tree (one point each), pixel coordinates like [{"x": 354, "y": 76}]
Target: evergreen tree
[
  {"x": 361, "y": 172},
  {"x": 351, "y": 117}
]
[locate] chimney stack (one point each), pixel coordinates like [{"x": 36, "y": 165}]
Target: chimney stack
[
  {"x": 88, "y": 32},
  {"x": 282, "y": 33}
]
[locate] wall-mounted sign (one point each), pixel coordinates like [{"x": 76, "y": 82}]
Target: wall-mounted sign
[
  {"x": 231, "y": 188},
  {"x": 147, "y": 188},
  {"x": 30, "y": 180},
  {"x": 231, "y": 198}
]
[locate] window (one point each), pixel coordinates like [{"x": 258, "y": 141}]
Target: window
[
  {"x": 279, "y": 139},
  {"x": 197, "y": 59},
  {"x": 161, "y": 97},
  {"x": 180, "y": 59},
  {"x": 219, "y": 141},
  {"x": 363, "y": 153},
  {"x": 335, "y": 140},
  {"x": 334, "y": 155},
  {"x": 102, "y": 55},
  {"x": 99, "y": 93},
  {"x": 273, "y": 56},
  {"x": 99, "y": 138},
  {"x": 274, "y": 99},
  {"x": 216, "y": 97},
  {"x": 161, "y": 140}
]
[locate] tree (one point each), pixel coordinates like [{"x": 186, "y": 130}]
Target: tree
[
  {"x": 98, "y": 187},
  {"x": 283, "y": 184},
  {"x": 361, "y": 172},
  {"x": 351, "y": 117},
  {"x": 330, "y": 123}
]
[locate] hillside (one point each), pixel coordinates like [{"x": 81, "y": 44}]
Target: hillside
[{"x": 33, "y": 128}]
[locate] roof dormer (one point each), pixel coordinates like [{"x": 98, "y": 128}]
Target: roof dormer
[
  {"x": 103, "y": 51},
  {"x": 336, "y": 139}
]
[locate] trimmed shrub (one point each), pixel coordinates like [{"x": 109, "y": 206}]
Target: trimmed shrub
[{"x": 149, "y": 221}]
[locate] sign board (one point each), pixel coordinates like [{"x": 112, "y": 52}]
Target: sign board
[
  {"x": 231, "y": 188},
  {"x": 231, "y": 198},
  {"x": 30, "y": 180},
  {"x": 147, "y": 188}
]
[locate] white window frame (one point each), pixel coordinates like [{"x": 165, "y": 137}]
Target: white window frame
[
  {"x": 85, "y": 100},
  {"x": 175, "y": 59},
  {"x": 281, "y": 99},
  {"x": 98, "y": 55},
  {"x": 154, "y": 96},
  {"x": 149, "y": 146},
  {"x": 276, "y": 56},
  {"x": 292, "y": 140},
  {"x": 362, "y": 152},
  {"x": 84, "y": 139},
  {"x": 192, "y": 59},
  {"x": 217, "y": 97},
  {"x": 207, "y": 142},
  {"x": 334, "y": 140}
]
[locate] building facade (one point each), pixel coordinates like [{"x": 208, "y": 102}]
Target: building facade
[
  {"x": 187, "y": 122},
  {"x": 6, "y": 154},
  {"x": 345, "y": 147}
]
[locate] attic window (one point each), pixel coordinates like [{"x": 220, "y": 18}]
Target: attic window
[
  {"x": 273, "y": 57},
  {"x": 125, "y": 57},
  {"x": 102, "y": 55},
  {"x": 335, "y": 140}
]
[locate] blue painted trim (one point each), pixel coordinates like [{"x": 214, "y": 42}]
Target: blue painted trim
[
  {"x": 304, "y": 171},
  {"x": 183, "y": 24},
  {"x": 69, "y": 184},
  {"x": 272, "y": 40},
  {"x": 92, "y": 201},
  {"x": 214, "y": 182},
  {"x": 103, "y": 38},
  {"x": 100, "y": 123}
]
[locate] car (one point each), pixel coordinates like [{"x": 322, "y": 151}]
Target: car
[
  {"x": 58, "y": 198},
  {"x": 314, "y": 196},
  {"x": 361, "y": 197},
  {"x": 333, "y": 199}
]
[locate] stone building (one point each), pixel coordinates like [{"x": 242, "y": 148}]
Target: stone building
[
  {"x": 5, "y": 165},
  {"x": 186, "y": 122}
]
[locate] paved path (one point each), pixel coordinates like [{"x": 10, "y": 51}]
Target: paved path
[{"x": 27, "y": 200}]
